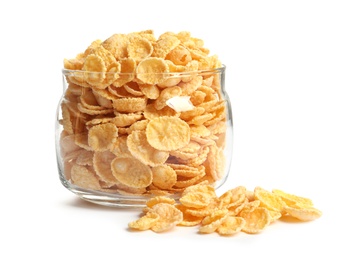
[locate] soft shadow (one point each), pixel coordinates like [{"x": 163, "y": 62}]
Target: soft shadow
[{"x": 84, "y": 204}]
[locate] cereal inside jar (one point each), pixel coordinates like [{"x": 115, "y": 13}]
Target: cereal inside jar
[{"x": 142, "y": 116}]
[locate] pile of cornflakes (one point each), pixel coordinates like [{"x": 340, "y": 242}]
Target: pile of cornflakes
[
  {"x": 143, "y": 115},
  {"x": 236, "y": 210}
]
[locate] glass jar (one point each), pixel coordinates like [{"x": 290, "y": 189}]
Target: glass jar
[{"x": 121, "y": 144}]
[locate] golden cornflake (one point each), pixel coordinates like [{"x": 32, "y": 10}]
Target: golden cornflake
[
  {"x": 165, "y": 95},
  {"x": 102, "y": 137},
  {"x": 216, "y": 215},
  {"x": 190, "y": 86},
  {"x": 164, "y": 177},
  {"x": 127, "y": 72},
  {"x": 67, "y": 144},
  {"x": 126, "y": 119},
  {"x": 269, "y": 200},
  {"x": 130, "y": 104},
  {"x": 88, "y": 99},
  {"x": 166, "y": 43},
  {"x": 196, "y": 200},
  {"x": 120, "y": 92},
  {"x": 139, "y": 48},
  {"x": 168, "y": 133},
  {"x": 133, "y": 88},
  {"x": 231, "y": 225},
  {"x": 145, "y": 222},
  {"x": 170, "y": 81},
  {"x": 102, "y": 165},
  {"x": 179, "y": 55},
  {"x": 131, "y": 172},
  {"x": 152, "y": 70},
  {"x": 140, "y": 148},
  {"x": 213, "y": 221},
  {"x": 201, "y": 119},
  {"x": 150, "y": 112},
  {"x": 103, "y": 101},
  {"x": 159, "y": 199},
  {"x": 255, "y": 220},
  {"x": 233, "y": 198},
  {"x": 188, "y": 219},
  {"x": 96, "y": 68},
  {"x": 215, "y": 162},
  {"x": 84, "y": 177},
  {"x": 198, "y": 160},
  {"x": 85, "y": 158},
  {"x": 291, "y": 199},
  {"x": 151, "y": 91},
  {"x": 120, "y": 147},
  {"x": 66, "y": 121},
  {"x": 170, "y": 216},
  {"x": 117, "y": 45},
  {"x": 302, "y": 213}
]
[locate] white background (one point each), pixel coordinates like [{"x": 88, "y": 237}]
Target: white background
[{"x": 286, "y": 72}]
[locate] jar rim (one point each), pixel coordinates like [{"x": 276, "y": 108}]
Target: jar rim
[{"x": 69, "y": 72}]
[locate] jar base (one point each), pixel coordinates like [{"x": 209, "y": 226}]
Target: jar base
[
  {"x": 115, "y": 199},
  {"x": 111, "y": 199}
]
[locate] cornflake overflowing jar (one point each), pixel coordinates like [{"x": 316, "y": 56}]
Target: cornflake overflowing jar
[{"x": 142, "y": 116}]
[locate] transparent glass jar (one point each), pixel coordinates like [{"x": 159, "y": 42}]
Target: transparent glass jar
[{"x": 120, "y": 144}]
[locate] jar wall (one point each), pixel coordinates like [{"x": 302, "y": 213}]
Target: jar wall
[{"x": 119, "y": 145}]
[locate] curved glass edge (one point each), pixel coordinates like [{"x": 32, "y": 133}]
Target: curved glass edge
[{"x": 69, "y": 72}]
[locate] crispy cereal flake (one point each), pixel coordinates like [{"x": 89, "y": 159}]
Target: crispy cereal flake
[
  {"x": 102, "y": 137},
  {"x": 303, "y": 213},
  {"x": 231, "y": 225},
  {"x": 84, "y": 177},
  {"x": 164, "y": 177},
  {"x": 170, "y": 216},
  {"x": 145, "y": 222},
  {"x": 256, "y": 220},
  {"x": 152, "y": 70},
  {"x": 140, "y": 148},
  {"x": 291, "y": 199},
  {"x": 269, "y": 200},
  {"x": 168, "y": 133},
  {"x": 131, "y": 172}
]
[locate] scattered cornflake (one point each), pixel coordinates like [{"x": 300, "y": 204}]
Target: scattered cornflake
[
  {"x": 303, "y": 213},
  {"x": 255, "y": 220},
  {"x": 236, "y": 210},
  {"x": 291, "y": 199},
  {"x": 145, "y": 222},
  {"x": 269, "y": 200},
  {"x": 231, "y": 225},
  {"x": 169, "y": 217}
]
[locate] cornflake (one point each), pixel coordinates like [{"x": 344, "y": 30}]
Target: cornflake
[
  {"x": 168, "y": 133},
  {"x": 131, "y": 172},
  {"x": 139, "y": 147},
  {"x": 152, "y": 70},
  {"x": 102, "y": 137}
]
